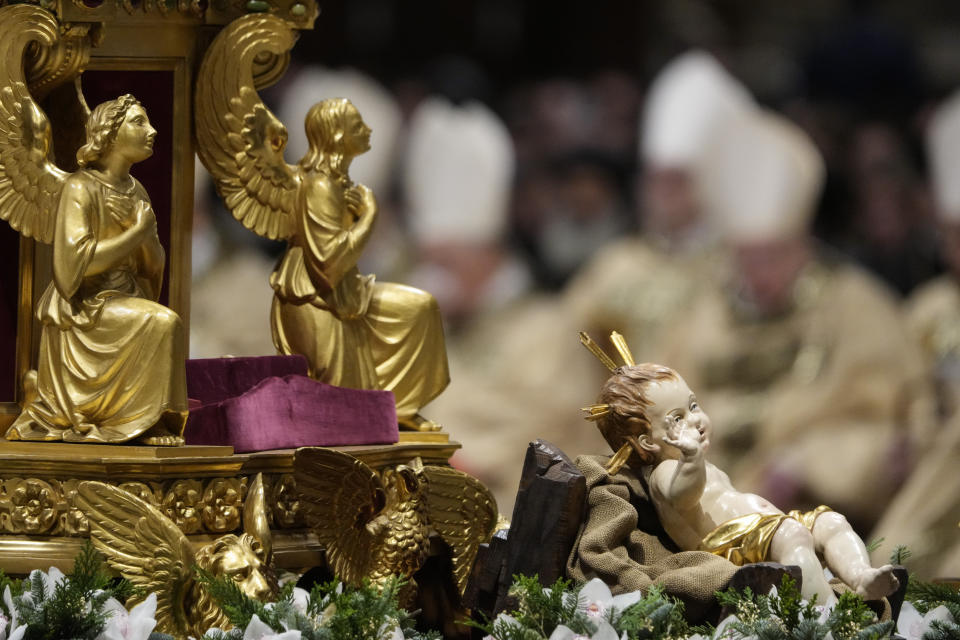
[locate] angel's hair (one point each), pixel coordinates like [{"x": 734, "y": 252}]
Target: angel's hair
[
  {"x": 325, "y": 127},
  {"x": 102, "y": 126},
  {"x": 625, "y": 392}
]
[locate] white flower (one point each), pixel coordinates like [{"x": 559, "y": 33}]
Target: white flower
[
  {"x": 596, "y": 600},
  {"x": 301, "y": 599},
  {"x": 259, "y": 630},
  {"x": 390, "y": 631},
  {"x": 722, "y": 632},
  {"x": 604, "y": 632},
  {"x": 824, "y": 611},
  {"x": 503, "y": 620},
  {"x": 136, "y": 624},
  {"x": 8, "y": 603},
  {"x": 50, "y": 580},
  {"x": 912, "y": 625}
]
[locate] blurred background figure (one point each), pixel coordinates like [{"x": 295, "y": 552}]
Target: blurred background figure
[
  {"x": 933, "y": 312},
  {"x": 802, "y": 360},
  {"x": 230, "y": 295},
  {"x": 890, "y": 232},
  {"x": 575, "y": 155},
  {"x": 510, "y": 352},
  {"x": 924, "y": 514},
  {"x": 638, "y": 284},
  {"x": 458, "y": 173}
]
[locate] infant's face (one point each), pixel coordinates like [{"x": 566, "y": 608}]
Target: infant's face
[{"x": 674, "y": 413}]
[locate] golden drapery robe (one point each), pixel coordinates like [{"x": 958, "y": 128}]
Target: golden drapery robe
[
  {"x": 355, "y": 332},
  {"x": 111, "y": 362}
]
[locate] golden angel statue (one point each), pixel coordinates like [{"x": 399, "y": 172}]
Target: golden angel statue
[
  {"x": 111, "y": 360},
  {"x": 148, "y": 549},
  {"x": 355, "y": 332},
  {"x": 373, "y": 527}
]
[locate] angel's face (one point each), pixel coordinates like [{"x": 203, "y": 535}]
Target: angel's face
[
  {"x": 356, "y": 133},
  {"x": 134, "y": 139}
]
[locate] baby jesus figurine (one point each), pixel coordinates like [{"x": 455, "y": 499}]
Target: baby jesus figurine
[{"x": 651, "y": 418}]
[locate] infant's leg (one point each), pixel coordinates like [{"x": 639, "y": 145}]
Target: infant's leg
[
  {"x": 847, "y": 556},
  {"x": 793, "y": 544}
]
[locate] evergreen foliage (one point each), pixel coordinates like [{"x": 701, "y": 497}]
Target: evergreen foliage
[
  {"x": 540, "y": 611},
  {"x": 74, "y": 607},
  {"x": 333, "y": 611},
  {"x": 784, "y": 615},
  {"x": 655, "y": 616},
  {"x": 929, "y": 595},
  {"x": 900, "y": 554}
]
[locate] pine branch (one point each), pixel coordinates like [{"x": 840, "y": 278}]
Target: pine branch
[
  {"x": 874, "y": 544},
  {"x": 929, "y": 595},
  {"x": 900, "y": 554},
  {"x": 237, "y": 606},
  {"x": 940, "y": 630}
]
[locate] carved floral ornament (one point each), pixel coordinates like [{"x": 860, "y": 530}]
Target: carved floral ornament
[
  {"x": 299, "y": 12},
  {"x": 34, "y": 506}
]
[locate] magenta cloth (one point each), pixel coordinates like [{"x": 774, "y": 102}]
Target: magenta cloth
[
  {"x": 215, "y": 379},
  {"x": 281, "y": 412}
]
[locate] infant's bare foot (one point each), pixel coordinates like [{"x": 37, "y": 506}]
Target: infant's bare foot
[
  {"x": 163, "y": 441},
  {"x": 874, "y": 584}
]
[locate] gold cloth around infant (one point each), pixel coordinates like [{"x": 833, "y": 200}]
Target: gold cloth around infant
[{"x": 746, "y": 539}]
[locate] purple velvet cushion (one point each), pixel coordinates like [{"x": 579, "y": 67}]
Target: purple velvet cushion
[
  {"x": 215, "y": 379},
  {"x": 295, "y": 411}
]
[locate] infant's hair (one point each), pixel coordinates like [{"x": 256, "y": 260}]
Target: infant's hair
[{"x": 625, "y": 393}]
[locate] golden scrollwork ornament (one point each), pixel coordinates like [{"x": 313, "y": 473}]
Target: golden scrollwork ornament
[
  {"x": 111, "y": 359},
  {"x": 148, "y": 548},
  {"x": 374, "y": 528},
  {"x": 355, "y": 332}
]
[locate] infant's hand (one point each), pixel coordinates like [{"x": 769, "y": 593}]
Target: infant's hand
[{"x": 688, "y": 441}]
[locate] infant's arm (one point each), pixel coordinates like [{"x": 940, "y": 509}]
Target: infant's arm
[{"x": 680, "y": 483}]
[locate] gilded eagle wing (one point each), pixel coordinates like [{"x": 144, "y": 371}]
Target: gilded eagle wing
[
  {"x": 30, "y": 183},
  {"x": 239, "y": 140},
  {"x": 463, "y": 512},
  {"x": 143, "y": 545},
  {"x": 340, "y": 495}
]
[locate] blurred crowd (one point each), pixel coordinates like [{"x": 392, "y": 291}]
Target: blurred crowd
[{"x": 779, "y": 224}]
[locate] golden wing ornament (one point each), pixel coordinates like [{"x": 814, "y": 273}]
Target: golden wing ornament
[
  {"x": 463, "y": 512},
  {"x": 340, "y": 496},
  {"x": 30, "y": 183},
  {"x": 144, "y": 546},
  {"x": 239, "y": 140}
]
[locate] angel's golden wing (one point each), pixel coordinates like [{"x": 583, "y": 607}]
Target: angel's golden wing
[
  {"x": 239, "y": 140},
  {"x": 463, "y": 512},
  {"x": 30, "y": 183},
  {"x": 339, "y": 496},
  {"x": 144, "y": 546}
]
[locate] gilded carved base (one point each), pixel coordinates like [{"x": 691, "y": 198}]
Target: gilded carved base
[{"x": 202, "y": 489}]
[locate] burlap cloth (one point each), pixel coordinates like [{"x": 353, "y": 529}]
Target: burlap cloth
[{"x": 622, "y": 543}]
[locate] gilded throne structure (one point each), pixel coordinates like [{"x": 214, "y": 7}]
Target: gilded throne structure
[{"x": 87, "y": 52}]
